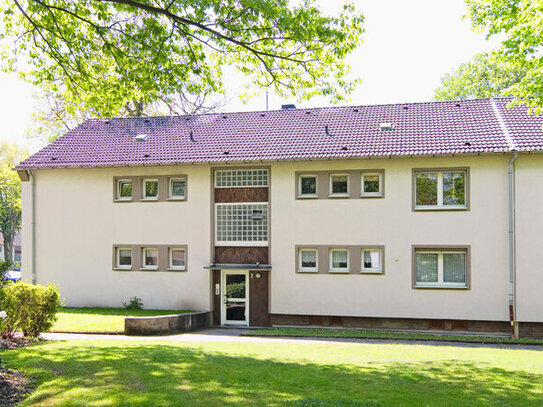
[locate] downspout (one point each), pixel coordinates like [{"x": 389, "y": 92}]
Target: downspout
[
  {"x": 512, "y": 251},
  {"x": 33, "y": 217}
]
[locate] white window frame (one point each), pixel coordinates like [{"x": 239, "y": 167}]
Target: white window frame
[
  {"x": 118, "y": 194},
  {"x": 170, "y": 189},
  {"x": 170, "y": 258},
  {"x": 302, "y": 269},
  {"x": 256, "y": 243},
  {"x": 440, "y": 205},
  {"x": 373, "y": 270},
  {"x": 340, "y": 194},
  {"x": 440, "y": 269},
  {"x": 371, "y": 194},
  {"x": 143, "y": 265},
  {"x": 144, "y": 192},
  {"x": 335, "y": 269},
  {"x": 118, "y": 258},
  {"x": 300, "y": 193}
]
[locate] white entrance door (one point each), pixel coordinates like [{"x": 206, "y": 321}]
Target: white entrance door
[{"x": 235, "y": 297}]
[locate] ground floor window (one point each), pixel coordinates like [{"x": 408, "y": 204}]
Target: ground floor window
[{"x": 446, "y": 268}]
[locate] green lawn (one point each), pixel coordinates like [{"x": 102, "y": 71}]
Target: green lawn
[
  {"x": 349, "y": 333},
  {"x": 140, "y": 373},
  {"x": 100, "y": 319}
]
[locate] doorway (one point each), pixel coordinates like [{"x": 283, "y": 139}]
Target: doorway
[{"x": 235, "y": 297}]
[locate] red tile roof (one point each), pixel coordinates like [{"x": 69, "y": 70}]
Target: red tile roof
[{"x": 452, "y": 127}]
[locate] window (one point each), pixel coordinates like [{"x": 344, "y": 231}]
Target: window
[
  {"x": 124, "y": 189},
  {"x": 177, "y": 188},
  {"x": 177, "y": 259},
  {"x": 339, "y": 185},
  {"x": 238, "y": 223},
  {"x": 371, "y": 184},
  {"x": 339, "y": 261},
  {"x": 371, "y": 261},
  {"x": 150, "y": 189},
  {"x": 440, "y": 189},
  {"x": 124, "y": 258},
  {"x": 150, "y": 258},
  {"x": 440, "y": 268},
  {"x": 307, "y": 260},
  {"x": 241, "y": 178},
  {"x": 307, "y": 186}
]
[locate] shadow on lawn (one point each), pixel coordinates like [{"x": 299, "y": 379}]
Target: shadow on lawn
[
  {"x": 163, "y": 375},
  {"x": 122, "y": 312}
]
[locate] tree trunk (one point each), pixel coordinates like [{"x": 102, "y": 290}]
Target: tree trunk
[{"x": 8, "y": 247}]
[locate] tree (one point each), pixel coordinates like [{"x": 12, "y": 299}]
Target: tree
[
  {"x": 519, "y": 22},
  {"x": 484, "y": 77},
  {"x": 103, "y": 56},
  {"x": 10, "y": 195}
]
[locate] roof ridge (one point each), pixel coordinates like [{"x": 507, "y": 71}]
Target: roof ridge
[{"x": 505, "y": 130}]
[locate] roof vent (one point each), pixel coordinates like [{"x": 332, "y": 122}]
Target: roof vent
[
  {"x": 141, "y": 137},
  {"x": 386, "y": 126},
  {"x": 290, "y": 106}
]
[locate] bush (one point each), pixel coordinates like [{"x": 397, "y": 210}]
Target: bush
[
  {"x": 4, "y": 266},
  {"x": 30, "y": 308},
  {"x": 133, "y": 303}
]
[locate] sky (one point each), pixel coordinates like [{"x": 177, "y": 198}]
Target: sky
[{"x": 407, "y": 47}]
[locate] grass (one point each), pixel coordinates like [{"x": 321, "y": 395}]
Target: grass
[
  {"x": 348, "y": 333},
  {"x": 100, "y": 319},
  {"x": 141, "y": 373}
]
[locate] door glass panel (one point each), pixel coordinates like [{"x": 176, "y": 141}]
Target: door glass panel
[
  {"x": 235, "y": 311},
  {"x": 235, "y": 286}
]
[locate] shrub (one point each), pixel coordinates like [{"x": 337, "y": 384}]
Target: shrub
[
  {"x": 30, "y": 308},
  {"x": 134, "y": 303},
  {"x": 4, "y": 266}
]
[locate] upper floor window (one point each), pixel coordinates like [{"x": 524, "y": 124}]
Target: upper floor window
[
  {"x": 177, "y": 188},
  {"x": 371, "y": 184},
  {"x": 339, "y": 185},
  {"x": 441, "y": 268},
  {"x": 124, "y": 189},
  {"x": 239, "y": 223},
  {"x": 150, "y": 189},
  {"x": 241, "y": 178},
  {"x": 371, "y": 261},
  {"x": 339, "y": 260},
  {"x": 440, "y": 189},
  {"x": 307, "y": 186}
]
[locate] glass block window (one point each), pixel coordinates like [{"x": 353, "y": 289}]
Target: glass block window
[
  {"x": 241, "y": 178},
  {"x": 241, "y": 223}
]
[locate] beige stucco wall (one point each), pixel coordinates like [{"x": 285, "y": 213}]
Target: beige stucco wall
[
  {"x": 529, "y": 237},
  {"x": 77, "y": 224},
  {"x": 392, "y": 223}
]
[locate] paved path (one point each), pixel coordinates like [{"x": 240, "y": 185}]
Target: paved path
[{"x": 233, "y": 335}]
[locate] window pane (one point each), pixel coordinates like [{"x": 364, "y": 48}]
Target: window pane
[
  {"x": 178, "y": 258},
  {"x": 454, "y": 188},
  {"x": 339, "y": 259},
  {"x": 309, "y": 258},
  {"x": 178, "y": 187},
  {"x": 339, "y": 184},
  {"x": 125, "y": 257},
  {"x": 241, "y": 178},
  {"x": 454, "y": 267},
  {"x": 427, "y": 267},
  {"x": 151, "y": 257},
  {"x": 125, "y": 189},
  {"x": 308, "y": 185},
  {"x": 426, "y": 188},
  {"x": 151, "y": 189},
  {"x": 371, "y": 183},
  {"x": 242, "y": 223},
  {"x": 371, "y": 259}
]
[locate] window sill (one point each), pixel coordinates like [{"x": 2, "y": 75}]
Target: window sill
[
  {"x": 440, "y": 287},
  {"x": 307, "y": 196},
  {"x": 339, "y": 271},
  {"x": 371, "y": 196},
  {"x": 439, "y": 208},
  {"x": 308, "y": 271},
  {"x": 176, "y": 269},
  {"x": 371, "y": 272},
  {"x": 149, "y": 199},
  {"x": 122, "y": 268},
  {"x": 173, "y": 198},
  {"x": 149, "y": 269},
  {"x": 123, "y": 199}
]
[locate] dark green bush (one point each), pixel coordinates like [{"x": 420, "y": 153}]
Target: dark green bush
[{"x": 30, "y": 308}]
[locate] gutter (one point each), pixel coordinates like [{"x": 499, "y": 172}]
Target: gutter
[{"x": 33, "y": 186}]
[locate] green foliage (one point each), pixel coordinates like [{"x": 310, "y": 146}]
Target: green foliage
[
  {"x": 236, "y": 290},
  {"x": 133, "y": 303},
  {"x": 485, "y": 77},
  {"x": 4, "y": 266},
  {"x": 31, "y": 309},
  {"x": 519, "y": 22},
  {"x": 105, "y": 56}
]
